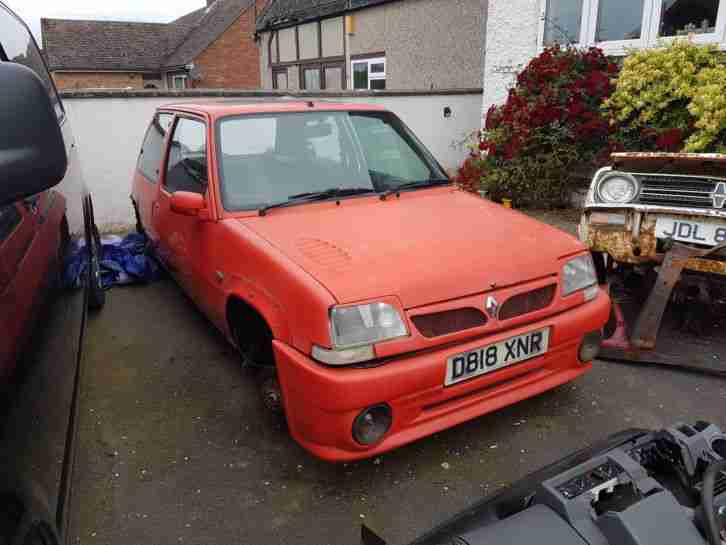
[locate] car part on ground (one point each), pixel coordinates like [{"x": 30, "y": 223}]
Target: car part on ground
[
  {"x": 662, "y": 253},
  {"x": 636, "y": 488}
]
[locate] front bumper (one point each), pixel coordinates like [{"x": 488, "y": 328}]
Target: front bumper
[
  {"x": 628, "y": 234},
  {"x": 322, "y": 402}
]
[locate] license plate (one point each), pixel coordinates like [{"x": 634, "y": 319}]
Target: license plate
[
  {"x": 698, "y": 232},
  {"x": 492, "y": 357}
]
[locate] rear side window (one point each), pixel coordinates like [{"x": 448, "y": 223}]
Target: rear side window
[
  {"x": 153, "y": 148},
  {"x": 187, "y": 164},
  {"x": 17, "y": 45}
]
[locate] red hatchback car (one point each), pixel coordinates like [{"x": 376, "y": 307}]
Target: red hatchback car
[{"x": 328, "y": 244}]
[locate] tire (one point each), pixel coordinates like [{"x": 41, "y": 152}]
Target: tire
[
  {"x": 139, "y": 226},
  {"x": 96, "y": 293}
]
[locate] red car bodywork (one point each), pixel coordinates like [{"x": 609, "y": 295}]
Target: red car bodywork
[
  {"x": 428, "y": 251},
  {"x": 30, "y": 246}
]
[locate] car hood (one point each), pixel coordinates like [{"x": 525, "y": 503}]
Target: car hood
[{"x": 426, "y": 246}]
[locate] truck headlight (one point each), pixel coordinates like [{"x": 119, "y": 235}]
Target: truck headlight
[
  {"x": 355, "y": 329},
  {"x": 617, "y": 188},
  {"x": 578, "y": 274}
]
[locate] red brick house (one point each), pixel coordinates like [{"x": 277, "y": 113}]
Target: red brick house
[{"x": 212, "y": 47}]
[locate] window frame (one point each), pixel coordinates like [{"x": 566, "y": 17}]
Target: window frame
[
  {"x": 275, "y": 73},
  {"x": 372, "y": 76},
  {"x": 164, "y": 142},
  {"x": 320, "y": 62},
  {"x": 652, "y": 10},
  {"x": 175, "y": 77},
  {"x": 320, "y": 67},
  {"x": 716, "y": 37},
  {"x": 163, "y": 179}
]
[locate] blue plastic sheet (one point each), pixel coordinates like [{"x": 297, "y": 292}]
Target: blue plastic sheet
[{"x": 123, "y": 261}]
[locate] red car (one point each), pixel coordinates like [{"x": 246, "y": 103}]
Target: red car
[{"x": 328, "y": 244}]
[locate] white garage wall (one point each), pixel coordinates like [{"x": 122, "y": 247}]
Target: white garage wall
[{"x": 109, "y": 129}]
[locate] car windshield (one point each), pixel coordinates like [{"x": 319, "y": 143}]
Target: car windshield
[{"x": 267, "y": 159}]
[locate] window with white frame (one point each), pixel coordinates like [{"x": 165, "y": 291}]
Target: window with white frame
[
  {"x": 616, "y": 25},
  {"x": 369, "y": 73},
  {"x": 179, "y": 81}
]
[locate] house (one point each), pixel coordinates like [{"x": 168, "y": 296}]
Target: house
[
  {"x": 212, "y": 47},
  {"x": 518, "y": 30},
  {"x": 369, "y": 45}
]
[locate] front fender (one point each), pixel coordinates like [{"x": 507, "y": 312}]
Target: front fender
[{"x": 263, "y": 301}]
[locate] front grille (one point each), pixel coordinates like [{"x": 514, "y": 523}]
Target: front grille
[
  {"x": 678, "y": 191},
  {"x": 449, "y": 321},
  {"x": 524, "y": 303}
]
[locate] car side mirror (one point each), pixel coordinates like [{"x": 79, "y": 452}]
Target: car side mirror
[
  {"x": 187, "y": 203},
  {"x": 32, "y": 152}
]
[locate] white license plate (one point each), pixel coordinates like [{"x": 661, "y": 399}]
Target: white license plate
[
  {"x": 698, "y": 232},
  {"x": 489, "y": 358}
]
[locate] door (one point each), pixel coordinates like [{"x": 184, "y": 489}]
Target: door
[
  {"x": 36, "y": 447},
  {"x": 148, "y": 170},
  {"x": 179, "y": 236}
]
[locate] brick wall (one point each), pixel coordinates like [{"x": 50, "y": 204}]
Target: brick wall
[
  {"x": 105, "y": 80},
  {"x": 233, "y": 60}
]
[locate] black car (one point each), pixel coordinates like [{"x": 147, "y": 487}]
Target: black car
[{"x": 45, "y": 213}]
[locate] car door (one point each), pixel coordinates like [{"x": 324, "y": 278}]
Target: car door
[
  {"x": 17, "y": 229},
  {"x": 39, "y": 209},
  {"x": 179, "y": 236},
  {"x": 148, "y": 171}
]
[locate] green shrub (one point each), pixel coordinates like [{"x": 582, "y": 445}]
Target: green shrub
[{"x": 670, "y": 99}]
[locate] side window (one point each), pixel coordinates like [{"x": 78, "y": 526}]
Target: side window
[
  {"x": 9, "y": 220},
  {"x": 17, "y": 45},
  {"x": 187, "y": 164},
  {"x": 153, "y": 148}
]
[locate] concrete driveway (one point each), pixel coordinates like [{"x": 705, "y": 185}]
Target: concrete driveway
[{"x": 174, "y": 446}]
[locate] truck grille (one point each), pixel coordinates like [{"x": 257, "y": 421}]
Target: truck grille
[{"x": 679, "y": 191}]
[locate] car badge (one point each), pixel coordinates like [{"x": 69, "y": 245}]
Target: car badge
[
  {"x": 492, "y": 306},
  {"x": 719, "y": 195}
]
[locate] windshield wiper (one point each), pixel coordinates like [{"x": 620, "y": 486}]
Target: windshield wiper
[
  {"x": 415, "y": 185},
  {"x": 317, "y": 196}
]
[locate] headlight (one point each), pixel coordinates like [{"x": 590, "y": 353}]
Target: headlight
[
  {"x": 578, "y": 274},
  {"x": 617, "y": 188},
  {"x": 355, "y": 329}
]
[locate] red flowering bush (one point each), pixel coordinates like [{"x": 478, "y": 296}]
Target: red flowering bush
[{"x": 551, "y": 125}]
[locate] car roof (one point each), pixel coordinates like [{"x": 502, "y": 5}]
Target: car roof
[{"x": 217, "y": 108}]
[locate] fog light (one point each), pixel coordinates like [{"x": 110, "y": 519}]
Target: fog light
[
  {"x": 590, "y": 346},
  {"x": 371, "y": 425}
]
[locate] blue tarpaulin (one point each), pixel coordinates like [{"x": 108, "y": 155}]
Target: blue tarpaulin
[{"x": 123, "y": 261}]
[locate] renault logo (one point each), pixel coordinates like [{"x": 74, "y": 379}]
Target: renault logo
[
  {"x": 719, "y": 195},
  {"x": 492, "y": 306}
]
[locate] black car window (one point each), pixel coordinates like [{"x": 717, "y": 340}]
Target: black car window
[
  {"x": 187, "y": 163},
  {"x": 152, "y": 149},
  {"x": 9, "y": 220},
  {"x": 17, "y": 45}
]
